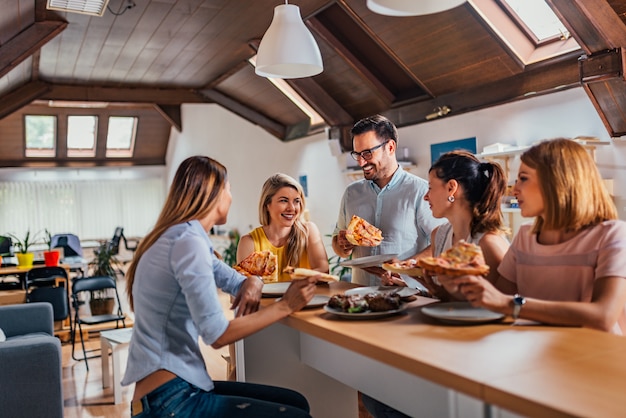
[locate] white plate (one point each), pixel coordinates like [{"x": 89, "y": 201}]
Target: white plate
[
  {"x": 364, "y": 315},
  {"x": 315, "y": 302},
  {"x": 275, "y": 289},
  {"x": 403, "y": 292},
  {"x": 369, "y": 261},
  {"x": 460, "y": 313}
]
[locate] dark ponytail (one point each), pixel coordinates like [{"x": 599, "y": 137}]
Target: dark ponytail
[{"x": 483, "y": 184}]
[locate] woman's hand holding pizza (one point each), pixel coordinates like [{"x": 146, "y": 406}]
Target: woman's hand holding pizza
[
  {"x": 300, "y": 292},
  {"x": 479, "y": 292}
]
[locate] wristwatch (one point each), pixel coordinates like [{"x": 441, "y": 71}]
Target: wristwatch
[{"x": 518, "y": 302}]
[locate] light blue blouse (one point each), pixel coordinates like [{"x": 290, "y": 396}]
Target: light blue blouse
[
  {"x": 398, "y": 210},
  {"x": 176, "y": 300}
]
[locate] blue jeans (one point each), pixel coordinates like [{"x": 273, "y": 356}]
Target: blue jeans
[{"x": 177, "y": 398}]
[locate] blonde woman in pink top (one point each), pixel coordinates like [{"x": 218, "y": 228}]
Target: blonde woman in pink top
[{"x": 569, "y": 268}]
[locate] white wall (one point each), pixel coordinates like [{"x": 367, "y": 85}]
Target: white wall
[{"x": 251, "y": 155}]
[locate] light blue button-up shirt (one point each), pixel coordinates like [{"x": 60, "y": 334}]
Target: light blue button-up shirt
[
  {"x": 176, "y": 300},
  {"x": 398, "y": 210}
]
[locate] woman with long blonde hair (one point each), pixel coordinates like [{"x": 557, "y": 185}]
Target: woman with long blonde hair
[
  {"x": 172, "y": 286},
  {"x": 284, "y": 231}
]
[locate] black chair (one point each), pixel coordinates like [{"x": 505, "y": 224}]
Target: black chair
[
  {"x": 42, "y": 284},
  {"x": 44, "y": 276},
  {"x": 83, "y": 289},
  {"x": 56, "y": 296}
]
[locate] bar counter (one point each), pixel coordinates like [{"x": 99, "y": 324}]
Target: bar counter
[{"x": 425, "y": 368}]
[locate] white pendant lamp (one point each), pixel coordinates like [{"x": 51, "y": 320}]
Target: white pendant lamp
[
  {"x": 288, "y": 49},
  {"x": 411, "y": 7}
]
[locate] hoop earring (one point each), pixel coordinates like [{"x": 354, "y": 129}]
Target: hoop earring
[{"x": 450, "y": 199}]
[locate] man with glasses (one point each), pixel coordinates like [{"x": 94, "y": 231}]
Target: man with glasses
[{"x": 388, "y": 197}]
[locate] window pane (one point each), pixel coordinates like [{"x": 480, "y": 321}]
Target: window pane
[
  {"x": 81, "y": 135},
  {"x": 539, "y": 18},
  {"x": 40, "y": 132},
  {"x": 121, "y": 132}
]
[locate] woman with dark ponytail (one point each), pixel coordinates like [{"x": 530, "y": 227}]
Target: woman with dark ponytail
[{"x": 468, "y": 193}]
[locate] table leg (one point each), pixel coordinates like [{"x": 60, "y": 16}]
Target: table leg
[
  {"x": 117, "y": 378},
  {"x": 104, "y": 351}
]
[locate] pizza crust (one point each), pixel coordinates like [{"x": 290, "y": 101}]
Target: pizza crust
[{"x": 301, "y": 273}]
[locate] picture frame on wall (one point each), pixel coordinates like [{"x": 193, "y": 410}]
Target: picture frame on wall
[{"x": 437, "y": 150}]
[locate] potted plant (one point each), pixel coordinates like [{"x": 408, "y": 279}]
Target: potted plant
[
  {"x": 102, "y": 302},
  {"x": 51, "y": 257},
  {"x": 230, "y": 253},
  {"x": 24, "y": 257}
]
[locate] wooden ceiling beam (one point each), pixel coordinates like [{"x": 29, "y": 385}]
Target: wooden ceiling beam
[
  {"x": 360, "y": 67},
  {"x": 27, "y": 42},
  {"x": 172, "y": 114},
  {"x": 321, "y": 101},
  {"x": 81, "y": 162},
  {"x": 125, "y": 94},
  {"x": 21, "y": 97},
  {"x": 246, "y": 112},
  {"x": 543, "y": 80},
  {"x": 593, "y": 23}
]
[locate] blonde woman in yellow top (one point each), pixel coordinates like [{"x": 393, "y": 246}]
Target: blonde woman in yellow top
[{"x": 295, "y": 241}]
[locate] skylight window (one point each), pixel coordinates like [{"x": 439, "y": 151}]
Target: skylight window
[
  {"x": 529, "y": 29},
  {"x": 81, "y": 136},
  {"x": 40, "y": 135},
  {"x": 537, "y": 19},
  {"x": 121, "y": 136}
]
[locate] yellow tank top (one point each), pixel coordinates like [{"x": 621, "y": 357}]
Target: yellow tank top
[{"x": 261, "y": 243}]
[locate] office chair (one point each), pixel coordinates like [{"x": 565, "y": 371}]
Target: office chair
[
  {"x": 83, "y": 289},
  {"x": 72, "y": 251},
  {"x": 113, "y": 245}
]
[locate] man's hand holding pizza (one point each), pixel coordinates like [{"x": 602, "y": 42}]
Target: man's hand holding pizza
[{"x": 342, "y": 246}]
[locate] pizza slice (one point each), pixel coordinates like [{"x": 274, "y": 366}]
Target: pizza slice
[
  {"x": 258, "y": 263},
  {"x": 461, "y": 259},
  {"x": 300, "y": 273},
  {"x": 362, "y": 233}
]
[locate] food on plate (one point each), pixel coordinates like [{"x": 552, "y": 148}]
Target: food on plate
[
  {"x": 300, "y": 273},
  {"x": 369, "y": 302},
  {"x": 408, "y": 267},
  {"x": 362, "y": 233},
  {"x": 259, "y": 263},
  {"x": 460, "y": 259}
]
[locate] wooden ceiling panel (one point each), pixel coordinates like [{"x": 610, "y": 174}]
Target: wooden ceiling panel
[
  {"x": 168, "y": 52},
  {"x": 22, "y": 17}
]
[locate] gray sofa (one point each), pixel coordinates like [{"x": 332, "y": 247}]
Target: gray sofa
[{"x": 30, "y": 363}]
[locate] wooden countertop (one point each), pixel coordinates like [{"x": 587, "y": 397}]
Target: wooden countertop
[{"x": 533, "y": 369}]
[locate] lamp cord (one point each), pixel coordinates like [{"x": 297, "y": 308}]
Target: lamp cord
[{"x": 123, "y": 10}]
